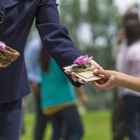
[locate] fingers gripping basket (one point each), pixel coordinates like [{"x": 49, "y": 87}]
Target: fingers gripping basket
[{"x": 7, "y": 56}]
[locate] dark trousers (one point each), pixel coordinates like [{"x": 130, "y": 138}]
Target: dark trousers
[
  {"x": 118, "y": 119},
  {"x": 41, "y": 121},
  {"x": 132, "y": 116},
  {"x": 10, "y": 120},
  {"x": 71, "y": 118}
]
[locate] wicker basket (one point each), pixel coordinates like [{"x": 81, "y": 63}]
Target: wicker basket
[{"x": 8, "y": 56}]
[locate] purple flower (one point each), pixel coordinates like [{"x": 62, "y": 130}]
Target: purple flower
[
  {"x": 82, "y": 60},
  {"x": 2, "y": 45}
]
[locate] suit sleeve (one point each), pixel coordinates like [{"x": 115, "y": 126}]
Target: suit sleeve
[{"x": 55, "y": 36}]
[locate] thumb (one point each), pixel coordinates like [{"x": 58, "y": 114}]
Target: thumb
[{"x": 97, "y": 72}]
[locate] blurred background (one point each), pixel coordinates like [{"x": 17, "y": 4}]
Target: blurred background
[{"x": 92, "y": 25}]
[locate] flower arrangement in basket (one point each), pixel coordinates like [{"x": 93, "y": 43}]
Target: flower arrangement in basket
[{"x": 7, "y": 55}]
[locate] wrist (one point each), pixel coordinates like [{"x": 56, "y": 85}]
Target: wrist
[{"x": 117, "y": 79}]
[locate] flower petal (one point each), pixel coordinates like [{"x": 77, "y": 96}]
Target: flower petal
[
  {"x": 2, "y": 45},
  {"x": 82, "y": 60},
  {"x": 90, "y": 59}
]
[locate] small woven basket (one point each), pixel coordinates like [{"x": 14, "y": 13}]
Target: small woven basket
[{"x": 7, "y": 56}]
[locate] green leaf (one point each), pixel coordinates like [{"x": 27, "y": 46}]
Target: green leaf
[
  {"x": 88, "y": 65},
  {"x": 77, "y": 69}
]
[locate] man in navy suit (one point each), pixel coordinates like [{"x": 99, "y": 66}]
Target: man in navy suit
[{"x": 16, "y": 18}]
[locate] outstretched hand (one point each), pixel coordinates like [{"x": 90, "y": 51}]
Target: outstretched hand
[{"x": 107, "y": 82}]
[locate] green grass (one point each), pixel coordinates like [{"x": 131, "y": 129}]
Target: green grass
[{"x": 96, "y": 125}]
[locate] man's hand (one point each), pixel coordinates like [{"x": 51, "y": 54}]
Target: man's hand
[{"x": 73, "y": 75}]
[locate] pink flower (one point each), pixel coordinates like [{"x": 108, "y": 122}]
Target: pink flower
[
  {"x": 82, "y": 60},
  {"x": 2, "y": 45}
]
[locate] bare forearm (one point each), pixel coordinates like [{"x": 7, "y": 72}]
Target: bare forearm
[
  {"x": 80, "y": 91},
  {"x": 82, "y": 95},
  {"x": 127, "y": 81},
  {"x": 34, "y": 87}
]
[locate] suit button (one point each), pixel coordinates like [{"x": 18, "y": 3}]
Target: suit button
[{"x": 1, "y": 19}]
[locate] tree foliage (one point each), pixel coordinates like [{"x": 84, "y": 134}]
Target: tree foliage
[
  {"x": 92, "y": 26},
  {"x": 102, "y": 19}
]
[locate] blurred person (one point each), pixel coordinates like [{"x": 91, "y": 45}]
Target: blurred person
[
  {"x": 58, "y": 100},
  {"x": 118, "y": 120},
  {"x": 33, "y": 71},
  {"x": 130, "y": 66},
  {"x": 14, "y": 32},
  {"x": 116, "y": 49}
]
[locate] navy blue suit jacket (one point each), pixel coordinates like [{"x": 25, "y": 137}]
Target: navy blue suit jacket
[{"x": 18, "y": 18}]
